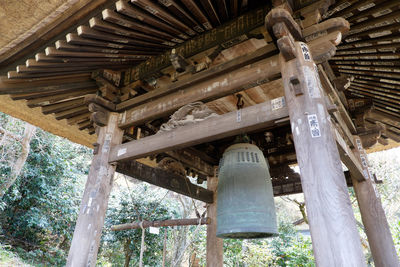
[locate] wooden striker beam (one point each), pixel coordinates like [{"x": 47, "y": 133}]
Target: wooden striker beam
[{"x": 147, "y": 224}]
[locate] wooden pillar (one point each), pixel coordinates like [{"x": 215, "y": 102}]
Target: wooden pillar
[
  {"x": 373, "y": 216},
  {"x": 86, "y": 239},
  {"x": 215, "y": 251},
  {"x": 334, "y": 234}
]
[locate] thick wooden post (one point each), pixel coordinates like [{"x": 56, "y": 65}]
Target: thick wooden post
[
  {"x": 373, "y": 216},
  {"x": 86, "y": 239},
  {"x": 332, "y": 224},
  {"x": 215, "y": 251}
]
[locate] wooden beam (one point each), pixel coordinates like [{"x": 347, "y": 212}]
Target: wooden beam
[
  {"x": 165, "y": 223},
  {"x": 100, "y": 101},
  {"x": 194, "y": 162},
  {"x": 211, "y": 12},
  {"x": 376, "y": 115},
  {"x": 78, "y": 118},
  {"x": 222, "y": 85},
  {"x": 252, "y": 118},
  {"x": 222, "y": 34},
  {"x": 118, "y": 19},
  {"x": 168, "y": 180},
  {"x": 16, "y": 75},
  {"x": 198, "y": 13},
  {"x": 37, "y": 37},
  {"x": 160, "y": 13},
  {"x": 70, "y": 112},
  {"x": 22, "y": 69},
  {"x": 86, "y": 32},
  {"x": 100, "y": 25},
  {"x": 373, "y": 215},
  {"x": 53, "y": 52},
  {"x": 126, "y": 9},
  {"x": 75, "y": 39},
  {"x": 88, "y": 229},
  {"x": 38, "y": 101},
  {"x": 221, "y": 69},
  {"x": 347, "y": 156},
  {"x": 209, "y": 87},
  {"x": 214, "y": 246},
  {"x": 62, "y": 86},
  {"x": 334, "y": 96},
  {"x": 38, "y": 94},
  {"x": 63, "y": 45},
  {"x": 62, "y": 106},
  {"x": 335, "y": 238}
]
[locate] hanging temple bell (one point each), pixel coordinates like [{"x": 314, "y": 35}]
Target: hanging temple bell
[{"x": 245, "y": 204}]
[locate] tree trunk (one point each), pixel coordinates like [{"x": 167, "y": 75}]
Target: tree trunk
[
  {"x": 128, "y": 252},
  {"x": 29, "y": 132}
]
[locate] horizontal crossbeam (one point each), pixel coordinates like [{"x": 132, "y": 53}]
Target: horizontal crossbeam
[
  {"x": 164, "y": 179},
  {"x": 147, "y": 224},
  {"x": 248, "y": 119}
]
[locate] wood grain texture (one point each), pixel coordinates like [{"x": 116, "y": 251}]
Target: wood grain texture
[
  {"x": 332, "y": 224},
  {"x": 86, "y": 239},
  {"x": 168, "y": 180},
  {"x": 373, "y": 216},
  {"x": 222, "y": 85},
  {"x": 214, "y": 247},
  {"x": 253, "y": 118},
  {"x": 147, "y": 224},
  {"x": 223, "y": 68}
]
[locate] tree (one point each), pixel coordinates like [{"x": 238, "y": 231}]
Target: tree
[
  {"x": 15, "y": 149},
  {"x": 138, "y": 204},
  {"x": 40, "y": 209}
]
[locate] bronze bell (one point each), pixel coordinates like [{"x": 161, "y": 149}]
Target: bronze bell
[{"x": 245, "y": 207}]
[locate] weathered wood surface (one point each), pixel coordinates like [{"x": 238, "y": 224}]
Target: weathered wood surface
[
  {"x": 187, "y": 158},
  {"x": 168, "y": 180},
  {"x": 209, "y": 87},
  {"x": 333, "y": 227},
  {"x": 221, "y": 69},
  {"x": 346, "y": 154},
  {"x": 373, "y": 215},
  {"x": 240, "y": 26},
  {"x": 147, "y": 224},
  {"x": 214, "y": 246},
  {"x": 334, "y": 96},
  {"x": 88, "y": 229},
  {"x": 252, "y": 118},
  {"x": 27, "y": 88},
  {"x": 118, "y": 19},
  {"x": 222, "y": 85},
  {"x": 65, "y": 17}
]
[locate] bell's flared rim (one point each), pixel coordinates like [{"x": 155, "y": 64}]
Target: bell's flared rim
[{"x": 248, "y": 235}]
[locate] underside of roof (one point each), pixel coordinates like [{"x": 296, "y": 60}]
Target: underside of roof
[{"x": 121, "y": 51}]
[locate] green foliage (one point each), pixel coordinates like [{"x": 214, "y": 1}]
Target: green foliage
[
  {"x": 40, "y": 209},
  {"x": 291, "y": 248},
  {"x": 288, "y": 249},
  {"x": 131, "y": 209},
  {"x": 396, "y": 237}
]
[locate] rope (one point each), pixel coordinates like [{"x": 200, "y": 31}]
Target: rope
[
  {"x": 134, "y": 206},
  {"x": 188, "y": 243},
  {"x": 141, "y": 246}
]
